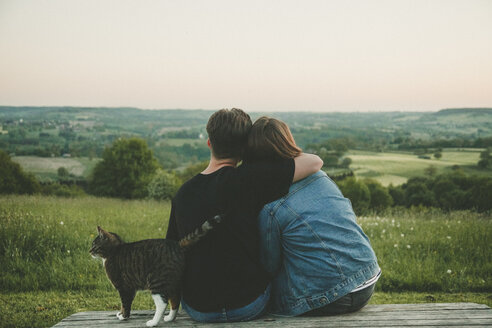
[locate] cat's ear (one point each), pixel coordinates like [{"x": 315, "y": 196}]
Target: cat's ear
[{"x": 101, "y": 232}]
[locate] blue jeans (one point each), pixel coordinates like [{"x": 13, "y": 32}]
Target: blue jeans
[
  {"x": 245, "y": 313},
  {"x": 349, "y": 303}
]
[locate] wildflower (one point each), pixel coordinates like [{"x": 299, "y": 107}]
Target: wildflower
[
  {"x": 449, "y": 237},
  {"x": 384, "y": 230},
  {"x": 68, "y": 251},
  {"x": 395, "y": 245},
  {"x": 61, "y": 222},
  {"x": 408, "y": 246},
  {"x": 403, "y": 235},
  {"x": 411, "y": 228},
  {"x": 449, "y": 271}
]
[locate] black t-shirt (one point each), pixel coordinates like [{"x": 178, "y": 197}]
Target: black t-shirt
[{"x": 223, "y": 270}]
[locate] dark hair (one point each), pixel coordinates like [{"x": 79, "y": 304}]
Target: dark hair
[
  {"x": 271, "y": 139},
  {"x": 228, "y": 132}
]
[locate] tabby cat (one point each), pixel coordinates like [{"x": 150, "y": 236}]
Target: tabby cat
[{"x": 153, "y": 264}]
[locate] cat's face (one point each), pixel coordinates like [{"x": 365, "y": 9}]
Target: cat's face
[{"x": 103, "y": 243}]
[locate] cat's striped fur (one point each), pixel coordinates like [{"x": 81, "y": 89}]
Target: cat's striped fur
[{"x": 153, "y": 264}]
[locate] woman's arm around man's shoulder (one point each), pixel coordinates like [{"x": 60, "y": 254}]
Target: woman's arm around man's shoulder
[{"x": 306, "y": 164}]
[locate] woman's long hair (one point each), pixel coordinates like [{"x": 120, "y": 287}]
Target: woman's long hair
[{"x": 270, "y": 139}]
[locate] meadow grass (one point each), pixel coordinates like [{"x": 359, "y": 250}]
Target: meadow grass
[
  {"x": 47, "y": 273},
  {"x": 44, "y": 241}
]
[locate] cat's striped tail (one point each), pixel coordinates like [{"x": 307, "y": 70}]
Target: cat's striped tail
[{"x": 195, "y": 236}]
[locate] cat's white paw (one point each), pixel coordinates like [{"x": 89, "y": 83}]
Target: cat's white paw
[
  {"x": 120, "y": 316},
  {"x": 171, "y": 316},
  {"x": 152, "y": 323}
]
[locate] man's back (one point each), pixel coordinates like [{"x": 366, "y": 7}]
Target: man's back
[{"x": 223, "y": 270}]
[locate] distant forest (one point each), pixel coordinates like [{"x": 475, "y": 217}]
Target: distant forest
[
  {"x": 170, "y": 147},
  {"x": 177, "y": 137}
]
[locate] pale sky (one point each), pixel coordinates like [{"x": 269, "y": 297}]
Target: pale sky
[{"x": 268, "y": 55}]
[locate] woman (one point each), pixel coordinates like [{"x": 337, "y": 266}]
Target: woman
[{"x": 321, "y": 260}]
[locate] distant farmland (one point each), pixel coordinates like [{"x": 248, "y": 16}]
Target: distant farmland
[
  {"x": 396, "y": 168},
  {"x": 387, "y": 168},
  {"x": 46, "y": 168}
]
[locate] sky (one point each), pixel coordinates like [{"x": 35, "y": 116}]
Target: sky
[{"x": 286, "y": 55}]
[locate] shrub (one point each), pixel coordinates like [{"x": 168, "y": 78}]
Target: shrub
[
  {"x": 125, "y": 170},
  {"x": 62, "y": 190},
  {"x": 163, "y": 185},
  {"x": 380, "y": 197},
  {"x": 358, "y": 193},
  {"x": 13, "y": 180}
]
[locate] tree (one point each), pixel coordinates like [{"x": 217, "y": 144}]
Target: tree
[
  {"x": 163, "y": 185},
  {"x": 13, "y": 180},
  {"x": 447, "y": 193},
  {"x": 437, "y": 155},
  {"x": 193, "y": 170},
  {"x": 481, "y": 194},
  {"x": 380, "y": 197},
  {"x": 126, "y": 169},
  {"x": 346, "y": 162},
  {"x": 397, "y": 194},
  {"x": 430, "y": 170},
  {"x": 62, "y": 172},
  {"x": 358, "y": 193},
  {"x": 417, "y": 192},
  {"x": 485, "y": 159}
]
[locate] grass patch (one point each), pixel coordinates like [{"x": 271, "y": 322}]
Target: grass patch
[
  {"x": 430, "y": 250},
  {"x": 44, "y": 241},
  {"x": 426, "y": 255}
]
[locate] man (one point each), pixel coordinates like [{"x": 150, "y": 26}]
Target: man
[{"x": 224, "y": 280}]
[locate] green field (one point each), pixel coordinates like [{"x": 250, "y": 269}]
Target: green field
[
  {"x": 45, "y": 168},
  {"x": 47, "y": 273},
  {"x": 181, "y": 141},
  {"x": 396, "y": 168}
]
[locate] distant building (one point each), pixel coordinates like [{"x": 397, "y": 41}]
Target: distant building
[{"x": 66, "y": 155}]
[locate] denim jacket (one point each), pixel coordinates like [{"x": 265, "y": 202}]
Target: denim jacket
[{"x": 312, "y": 245}]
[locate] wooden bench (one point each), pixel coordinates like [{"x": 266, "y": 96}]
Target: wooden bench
[{"x": 385, "y": 315}]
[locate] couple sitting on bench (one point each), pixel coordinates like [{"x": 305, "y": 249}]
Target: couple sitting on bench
[{"x": 290, "y": 244}]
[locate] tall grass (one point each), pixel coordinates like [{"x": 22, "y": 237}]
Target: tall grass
[
  {"x": 44, "y": 244},
  {"x": 431, "y": 250},
  {"x": 44, "y": 241}
]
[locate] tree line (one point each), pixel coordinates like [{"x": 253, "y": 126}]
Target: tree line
[
  {"x": 129, "y": 170},
  {"x": 449, "y": 191}
]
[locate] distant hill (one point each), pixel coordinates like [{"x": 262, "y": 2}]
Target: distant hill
[{"x": 473, "y": 111}]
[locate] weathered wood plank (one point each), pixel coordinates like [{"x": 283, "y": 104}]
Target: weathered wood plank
[{"x": 386, "y": 315}]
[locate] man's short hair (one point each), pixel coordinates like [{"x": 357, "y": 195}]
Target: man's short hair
[{"x": 228, "y": 131}]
